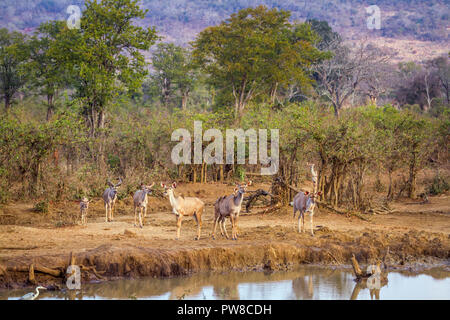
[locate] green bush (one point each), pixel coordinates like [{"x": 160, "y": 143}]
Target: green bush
[
  {"x": 439, "y": 186},
  {"x": 379, "y": 187},
  {"x": 41, "y": 207}
]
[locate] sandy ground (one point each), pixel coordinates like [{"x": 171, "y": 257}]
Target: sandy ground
[{"x": 417, "y": 231}]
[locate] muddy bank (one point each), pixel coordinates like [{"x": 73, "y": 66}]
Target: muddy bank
[{"x": 282, "y": 250}]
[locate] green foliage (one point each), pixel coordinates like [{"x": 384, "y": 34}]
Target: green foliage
[
  {"x": 379, "y": 187},
  {"x": 46, "y": 69},
  {"x": 324, "y": 31},
  {"x": 254, "y": 51},
  {"x": 240, "y": 173},
  {"x": 41, "y": 207},
  {"x": 174, "y": 77},
  {"x": 25, "y": 147},
  {"x": 13, "y": 55},
  {"x": 439, "y": 186},
  {"x": 105, "y": 55}
]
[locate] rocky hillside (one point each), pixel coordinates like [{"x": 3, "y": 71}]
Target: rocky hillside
[{"x": 180, "y": 20}]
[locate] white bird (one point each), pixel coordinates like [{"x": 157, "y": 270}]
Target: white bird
[{"x": 33, "y": 295}]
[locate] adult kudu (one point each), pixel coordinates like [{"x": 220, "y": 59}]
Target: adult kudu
[
  {"x": 110, "y": 197},
  {"x": 305, "y": 202},
  {"x": 140, "y": 200},
  {"x": 184, "y": 206},
  {"x": 229, "y": 206}
]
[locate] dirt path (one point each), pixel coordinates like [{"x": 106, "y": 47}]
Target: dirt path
[{"x": 415, "y": 234}]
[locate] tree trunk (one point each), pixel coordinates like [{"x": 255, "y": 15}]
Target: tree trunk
[
  {"x": 221, "y": 173},
  {"x": 337, "y": 108},
  {"x": 412, "y": 177},
  {"x": 273, "y": 93},
  {"x": 184, "y": 100},
  {"x": 166, "y": 92},
  {"x": 7, "y": 103},
  {"x": 194, "y": 173},
  {"x": 202, "y": 173},
  {"x": 238, "y": 108},
  {"x": 390, "y": 194},
  {"x": 101, "y": 147}
]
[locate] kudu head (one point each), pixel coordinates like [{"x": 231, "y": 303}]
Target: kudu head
[
  {"x": 241, "y": 188},
  {"x": 168, "y": 189},
  {"x": 311, "y": 199},
  {"x": 114, "y": 187},
  {"x": 147, "y": 189}
]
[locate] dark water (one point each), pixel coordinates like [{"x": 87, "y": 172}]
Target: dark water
[{"x": 308, "y": 282}]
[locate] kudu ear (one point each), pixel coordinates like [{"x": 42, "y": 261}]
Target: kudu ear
[
  {"x": 163, "y": 185},
  {"x": 174, "y": 184},
  {"x": 249, "y": 183},
  {"x": 306, "y": 193},
  {"x": 319, "y": 193}
]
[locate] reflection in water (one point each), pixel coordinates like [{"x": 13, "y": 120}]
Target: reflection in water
[{"x": 307, "y": 282}]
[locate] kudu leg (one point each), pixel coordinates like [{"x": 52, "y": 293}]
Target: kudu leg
[
  {"x": 312, "y": 226},
  {"x": 141, "y": 213},
  {"x": 236, "y": 228},
  {"x": 179, "y": 219},
  {"x": 106, "y": 211},
  {"x": 145, "y": 215},
  {"x": 198, "y": 219},
  {"x": 221, "y": 225},
  {"x": 224, "y": 228},
  {"x": 233, "y": 228},
  {"x": 135, "y": 213},
  {"x": 216, "y": 219},
  {"x": 303, "y": 222}
]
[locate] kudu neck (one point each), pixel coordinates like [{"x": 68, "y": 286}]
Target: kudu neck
[
  {"x": 172, "y": 197},
  {"x": 238, "y": 198}
]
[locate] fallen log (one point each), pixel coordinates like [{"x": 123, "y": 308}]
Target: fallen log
[
  {"x": 93, "y": 270},
  {"x": 252, "y": 198},
  {"x": 53, "y": 272}
]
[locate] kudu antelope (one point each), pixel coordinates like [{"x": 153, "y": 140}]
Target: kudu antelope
[
  {"x": 305, "y": 202},
  {"x": 229, "y": 206},
  {"x": 140, "y": 200},
  {"x": 84, "y": 206},
  {"x": 185, "y": 206},
  {"x": 110, "y": 197}
]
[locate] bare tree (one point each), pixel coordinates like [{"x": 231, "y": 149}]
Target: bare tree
[
  {"x": 442, "y": 71},
  {"x": 379, "y": 76},
  {"x": 341, "y": 76}
]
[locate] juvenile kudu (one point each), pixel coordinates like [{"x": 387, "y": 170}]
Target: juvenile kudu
[
  {"x": 185, "y": 206},
  {"x": 229, "y": 206},
  {"x": 140, "y": 200},
  {"x": 110, "y": 197},
  {"x": 305, "y": 202},
  {"x": 84, "y": 206}
]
